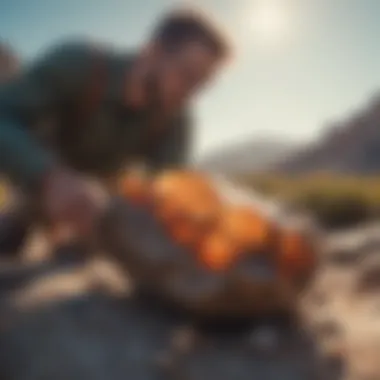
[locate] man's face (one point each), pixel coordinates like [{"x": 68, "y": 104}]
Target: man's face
[
  {"x": 4, "y": 70},
  {"x": 7, "y": 68},
  {"x": 181, "y": 74}
]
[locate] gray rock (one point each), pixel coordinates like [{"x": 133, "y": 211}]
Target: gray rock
[{"x": 97, "y": 336}]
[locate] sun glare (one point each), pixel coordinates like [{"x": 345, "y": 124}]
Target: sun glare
[{"x": 270, "y": 21}]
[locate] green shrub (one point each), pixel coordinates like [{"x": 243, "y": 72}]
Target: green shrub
[
  {"x": 336, "y": 201},
  {"x": 337, "y": 211}
]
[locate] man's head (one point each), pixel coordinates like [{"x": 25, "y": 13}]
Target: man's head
[
  {"x": 183, "y": 55},
  {"x": 8, "y": 63}
]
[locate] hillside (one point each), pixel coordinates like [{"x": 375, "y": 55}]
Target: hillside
[
  {"x": 351, "y": 146},
  {"x": 248, "y": 156}
]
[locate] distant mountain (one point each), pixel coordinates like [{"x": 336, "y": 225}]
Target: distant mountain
[
  {"x": 248, "y": 156},
  {"x": 349, "y": 147}
]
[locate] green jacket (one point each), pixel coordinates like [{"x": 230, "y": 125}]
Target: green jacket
[{"x": 36, "y": 132}]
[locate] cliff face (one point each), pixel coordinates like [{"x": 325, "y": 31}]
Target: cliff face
[{"x": 352, "y": 147}]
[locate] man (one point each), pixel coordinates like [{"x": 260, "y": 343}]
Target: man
[{"x": 83, "y": 109}]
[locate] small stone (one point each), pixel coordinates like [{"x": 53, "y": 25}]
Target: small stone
[
  {"x": 335, "y": 350},
  {"x": 369, "y": 278},
  {"x": 164, "y": 361},
  {"x": 364, "y": 358},
  {"x": 264, "y": 339},
  {"x": 318, "y": 298},
  {"x": 184, "y": 340},
  {"x": 328, "y": 328},
  {"x": 375, "y": 310},
  {"x": 344, "y": 257}
]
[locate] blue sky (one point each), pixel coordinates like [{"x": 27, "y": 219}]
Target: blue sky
[{"x": 325, "y": 65}]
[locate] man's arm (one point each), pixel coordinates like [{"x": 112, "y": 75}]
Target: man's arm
[
  {"x": 175, "y": 148},
  {"x": 21, "y": 158},
  {"x": 59, "y": 75}
]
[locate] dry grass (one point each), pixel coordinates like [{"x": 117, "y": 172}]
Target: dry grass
[
  {"x": 296, "y": 187},
  {"x": 337, "y": 201}
]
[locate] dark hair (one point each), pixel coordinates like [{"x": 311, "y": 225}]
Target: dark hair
[{"x": 181, "y": 27}]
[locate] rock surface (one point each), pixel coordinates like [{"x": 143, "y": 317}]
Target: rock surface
[{"x": 82, "y": 323}]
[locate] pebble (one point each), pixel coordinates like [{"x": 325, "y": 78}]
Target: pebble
[
  {"x": 265, "y": 339},
  {"x": 369, "y": 276},
  {"x": 183, "y": 340},
  {"x": 328, "y": 328},
  {"x": 164, "y": 361}
]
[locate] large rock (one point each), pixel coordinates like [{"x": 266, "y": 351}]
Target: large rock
[{"x": 70, "y": 326}]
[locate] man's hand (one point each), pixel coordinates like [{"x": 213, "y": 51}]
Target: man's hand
[{"x": 69, "y": 202}]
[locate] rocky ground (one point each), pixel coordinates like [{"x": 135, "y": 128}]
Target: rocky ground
[
  {"x": 81, "y": 322},
  {"x": 342, "y": 307}
]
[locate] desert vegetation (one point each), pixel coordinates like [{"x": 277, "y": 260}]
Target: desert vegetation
[{"x": 337, "y": 201}]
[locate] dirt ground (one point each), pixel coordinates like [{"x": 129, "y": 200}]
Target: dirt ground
[
  {"x": 83, "y": 322},
  {"x": 342, "y": 307}
]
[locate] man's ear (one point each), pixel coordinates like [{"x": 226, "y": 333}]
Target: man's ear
[{"x": 151, "y": 51}]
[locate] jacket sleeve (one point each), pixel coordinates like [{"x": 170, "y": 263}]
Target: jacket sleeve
[
  {"x": 58, "y": 75},
  {"x": 175, "y": 148}
]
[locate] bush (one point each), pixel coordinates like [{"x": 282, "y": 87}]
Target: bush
[
  {"x": 335, "y": 212},
  {"x": 336, "y": 201}
]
